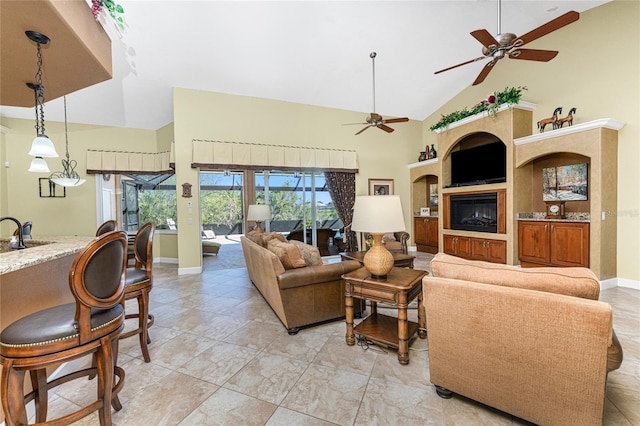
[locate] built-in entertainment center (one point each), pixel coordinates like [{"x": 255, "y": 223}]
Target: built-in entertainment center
[{"x": 488, "y": 180}]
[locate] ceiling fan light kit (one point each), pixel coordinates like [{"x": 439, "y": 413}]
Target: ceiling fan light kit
[
  {"x": 509, "y": 45},
  {"x": 375, "y": 119}
]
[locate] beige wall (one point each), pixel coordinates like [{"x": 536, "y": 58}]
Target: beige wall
[
  {"x": 76, "y": 214},
  {"x": 215, "y": 116},
  {"x": 597, "y": 72}
]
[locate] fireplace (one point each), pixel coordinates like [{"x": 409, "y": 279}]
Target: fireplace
[{"x": 474, "y": 212}]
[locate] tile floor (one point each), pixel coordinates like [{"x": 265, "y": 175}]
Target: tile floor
[{"x": 220, "y": 356}]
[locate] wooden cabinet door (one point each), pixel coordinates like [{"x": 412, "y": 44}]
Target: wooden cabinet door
[
  {"x": 488, "y": 250},
  {"x": 569, "y": 244},
  {"x": 478, "y": 249},
  {"x": 432, "y": 231},
  {"x": 496, "y": 251},
  {"x": 463, "y": 247},
  {"x": 533, "y": 242},
  {"x": 420, "y": 229},
  {"x": 449, "y": 242},
  {"x": 457, "y": 246}
]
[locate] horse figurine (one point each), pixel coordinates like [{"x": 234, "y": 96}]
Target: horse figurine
[
  {"x": 553, "y": 120},
  {"x": 568, "y": 119}
]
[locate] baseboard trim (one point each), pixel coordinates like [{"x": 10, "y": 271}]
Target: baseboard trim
[
  {"x": 610, "y": 283},
  {"x": 190, "y": 271},
  {"x": 173, "y": 260},
  {"x": 627, "y": 283}
]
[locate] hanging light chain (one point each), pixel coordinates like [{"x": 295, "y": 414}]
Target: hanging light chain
[
  {"x": 66, "y": 134},
  {"x": 39, "y": 92},
  {"x": 35, "y": 100}
]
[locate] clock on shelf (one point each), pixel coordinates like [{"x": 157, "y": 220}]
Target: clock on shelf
[{"x": 555, "y": 209}]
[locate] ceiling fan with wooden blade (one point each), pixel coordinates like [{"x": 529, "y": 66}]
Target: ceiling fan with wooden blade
[
  {"x": 374, "y": 119},
  {"x": 509, "y": 45}
]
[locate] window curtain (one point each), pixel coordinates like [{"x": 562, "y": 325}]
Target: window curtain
[{"x": 342, "y": 189}]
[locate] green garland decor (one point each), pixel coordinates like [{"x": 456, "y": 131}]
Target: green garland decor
[
  {"x": 510, "y": 96},
  {"x": 115, "y": 10}
]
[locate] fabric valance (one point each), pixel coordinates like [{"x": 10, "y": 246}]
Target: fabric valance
[
  {"x": 216, "y": 155},
  {"x": 128, "y": 162}
]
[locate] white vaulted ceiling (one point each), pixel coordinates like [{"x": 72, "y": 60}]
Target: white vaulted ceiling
[{"x": 308, "y": 52}]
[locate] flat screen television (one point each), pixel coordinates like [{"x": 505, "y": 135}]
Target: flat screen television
[{"x": 479, "y": 165}]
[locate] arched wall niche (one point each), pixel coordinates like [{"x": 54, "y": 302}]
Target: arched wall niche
[
  {"x": 557, "y": 159},
  {"x": 426, "y": 193}
]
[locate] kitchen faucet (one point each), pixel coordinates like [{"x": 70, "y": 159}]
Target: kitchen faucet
[{"x": 20, "y": 237}]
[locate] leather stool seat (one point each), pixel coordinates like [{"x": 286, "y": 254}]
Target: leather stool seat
[
  {"x": 54, "y": 330},
  {"x": 134, "y": 276}
]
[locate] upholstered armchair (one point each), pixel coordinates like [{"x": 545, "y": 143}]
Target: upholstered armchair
[{"x": 395, "y": 242}]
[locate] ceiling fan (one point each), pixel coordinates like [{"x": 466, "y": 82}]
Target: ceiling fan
[
  {"x": 510, "y": 45},
  {"x": 374, "y": 119}
]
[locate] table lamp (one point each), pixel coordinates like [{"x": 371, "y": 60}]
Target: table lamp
[
  {"x": 378, "y": 215},
  {"x": 259, "y": 213}
]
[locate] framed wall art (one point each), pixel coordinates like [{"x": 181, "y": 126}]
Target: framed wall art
[
  {"x": 48, "y": 189},
  {"x": 565, "y": 183},
  {"x": 433, "y": 194},
  {"x": 380, "y": 186}
]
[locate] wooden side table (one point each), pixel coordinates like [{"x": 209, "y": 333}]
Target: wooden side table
[{"x": 399, "y": 288}]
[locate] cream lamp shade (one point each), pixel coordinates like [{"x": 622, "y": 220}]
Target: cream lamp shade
[
  {"x": 259, "y": 213},
  {"x": 43, "y": 147},
  {"x": 38, "y": 165},
  {"x": 378, "y": 215}
]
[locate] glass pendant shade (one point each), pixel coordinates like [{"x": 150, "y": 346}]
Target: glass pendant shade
[
  {"x": 43, "y": 147},
  {"x": 38, "y": 165},
  {"x": 68, "y": 181}
]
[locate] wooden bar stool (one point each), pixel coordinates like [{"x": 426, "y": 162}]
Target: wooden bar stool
[
  {"x": 108, "y": 226},
  {"x": 90, "y": 326},
  {"x": 138, "y": 285}
]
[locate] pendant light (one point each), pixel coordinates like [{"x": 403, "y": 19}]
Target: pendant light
[
  {"x": 68, "y": 176},
  {"x": 41, "y": 145}
]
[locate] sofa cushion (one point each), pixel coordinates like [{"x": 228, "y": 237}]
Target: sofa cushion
[
  {"x": 310, "y": 254},
  {"x": 263, "y": 238},
  {"x": 578, "y": 282},
  {"x": 255, "y": 236},
  {"x": 288, "y": 254}
]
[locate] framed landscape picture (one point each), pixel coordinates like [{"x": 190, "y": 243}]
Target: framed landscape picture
[
  {"x": 565, "y": 183},
  {"x": 380, "y": 186}
]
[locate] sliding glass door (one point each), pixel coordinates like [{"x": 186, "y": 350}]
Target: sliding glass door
[{"x": 299, "y": 201}]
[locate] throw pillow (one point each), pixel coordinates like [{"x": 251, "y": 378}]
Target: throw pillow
[
  {"x": 267, "y": 236},
  {"x": 310, "y": 254},
  {"x": 256, "y": 237},
  {"x": 288, "y": 254}
]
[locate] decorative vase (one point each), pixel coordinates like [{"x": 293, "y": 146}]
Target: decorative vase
[
  {"x": 432, "y": 152},
  {"x": 423, "y": 156}
]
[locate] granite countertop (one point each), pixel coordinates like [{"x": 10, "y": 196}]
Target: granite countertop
[
  {"x": 44, "y": 249},
  {"x": 570, "y": 217}
]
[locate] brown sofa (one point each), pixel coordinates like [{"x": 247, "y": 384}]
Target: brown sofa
[
  {"x": 299, "y": 296},
  {"x": 533, "y": 342}
]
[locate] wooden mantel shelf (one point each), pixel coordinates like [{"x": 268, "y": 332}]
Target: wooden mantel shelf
[{"x": 608, "y": 123}]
